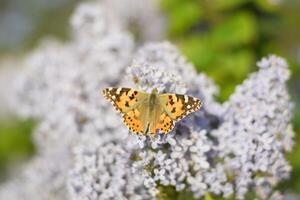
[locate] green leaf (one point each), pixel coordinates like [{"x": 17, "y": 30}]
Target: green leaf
[
  {"x": 267, "y": 5},
  {"x": 198, "y": 51},
  {"x": 208, "y": 196},
  {"x": 184, "y": 17},
  {"x": 170, "y": 193},
  {"x": 15, "y": 142},
  {"x": 169, "y": 5},
  {"x": 228, "y": 4},
  {"x": 238, "y": 29}
]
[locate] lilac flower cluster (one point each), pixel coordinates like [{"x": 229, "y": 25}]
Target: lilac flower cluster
[
  {"x": 255, "y": 131},
  {"x": 59, "y": 86},
  {"x": 84, "y": 150}
]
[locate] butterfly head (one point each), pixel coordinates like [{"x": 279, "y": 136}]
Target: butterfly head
[{"x": 154, "y": 91}]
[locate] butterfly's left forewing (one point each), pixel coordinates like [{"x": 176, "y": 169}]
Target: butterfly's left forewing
[
  {"x": 128, "y": 102},
  {"x": 124, "y": 99}
]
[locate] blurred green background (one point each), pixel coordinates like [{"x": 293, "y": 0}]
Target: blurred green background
[{"x": 223, "y": 38}]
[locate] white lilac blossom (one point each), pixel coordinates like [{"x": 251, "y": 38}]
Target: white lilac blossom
[
  {"x": 249, "y": 144},
  {"x": 179, "y": 157},
  {"x": 102, "y": 171},
  {"x": 41, "y": 178},
  {"x": 194, "y": 156},
  {"x": 59, "y": 85},
  {"x": 67, "y": 78},
  {"x": 84, "y": 150},
  {"x": 140, "y": 17},
  {"x": 255, "y": 132}
]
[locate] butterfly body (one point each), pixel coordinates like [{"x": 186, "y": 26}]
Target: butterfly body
[{"x": 146, "y": 113}]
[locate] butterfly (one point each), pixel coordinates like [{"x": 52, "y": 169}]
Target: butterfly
[{"x": 146, "y": 113}]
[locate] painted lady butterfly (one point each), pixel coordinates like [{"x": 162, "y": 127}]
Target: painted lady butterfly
[{"x": 145, "y": 113}]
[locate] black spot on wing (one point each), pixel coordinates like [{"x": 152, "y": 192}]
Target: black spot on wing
[
  {"x": 173, "y": 110},
  {"x": 191, "y": 105},
  {"x": 131, "y": 97}
]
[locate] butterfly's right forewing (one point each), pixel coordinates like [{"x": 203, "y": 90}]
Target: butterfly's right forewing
[
  {"x": 173, "y": 108},
  {"x": 178, "y": 106}
]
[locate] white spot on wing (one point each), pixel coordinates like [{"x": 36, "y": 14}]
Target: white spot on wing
[
  {"x": 186, "y": 99},
  {"x": 119, "y": 90}
]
